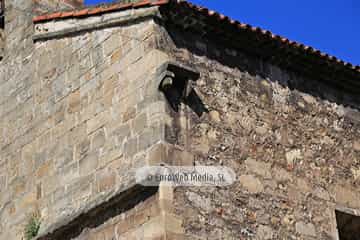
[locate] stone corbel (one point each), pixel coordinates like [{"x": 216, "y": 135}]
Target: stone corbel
[{"x": 176, "y": 83}]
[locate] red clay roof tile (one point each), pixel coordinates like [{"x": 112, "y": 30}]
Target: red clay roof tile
[
  {"x": 67, "y": 14},
  {"x": 81, "y": 13},
  {"x": 53, "y": 15},
  {"x": 124, "y": 6},
  {"x": 97, "y": 10},
  {"x": 39, "y": 18}
]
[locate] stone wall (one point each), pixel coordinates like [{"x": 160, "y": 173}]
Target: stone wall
[
  {"x": 142, "y": 222},
  {"x": 150, "y": 219},
  {"x": 296, "y": 156},
  {"x": 81, "y": 110},
  {"x": 15, "y": 90},
  {"x": 79, "y": 114}
]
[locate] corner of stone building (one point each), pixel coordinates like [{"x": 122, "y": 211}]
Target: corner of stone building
[
  {"x": 145, "y": 114},
  {"x": 169, "y": 152},
  {"x": 172, "y": 151},
  {"x": 166, "y": 225},
  {"x": 142, "y": 111}
]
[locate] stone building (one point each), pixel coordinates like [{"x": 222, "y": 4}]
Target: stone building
[{"x": 82, "y": 108}]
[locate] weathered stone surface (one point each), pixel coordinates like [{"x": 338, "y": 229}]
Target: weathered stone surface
[
  {"x": 74, "y": 102},
  {"x": 356, "y": 146},
  {"x": 157, "y": 155},
  {"x": 106, "y": 180},
  {"x": 251, "y": 184},
  {"x": 307, "y": 229},
  {"x": 88, "y": 164},
  {"x": 281, "y": 175},
  {"x": 73, "y": 109},
  {"x": 264, "y": 232},
  {"x": 321, "y": 193},
  {"x": 215, "y": 116},
  {"x": 98, "y": 139},
  {"x": 200, "y": 202},
  {"x": 309, "y": 99},
  {"x": 346, "y": 196},
  {"x": 260, "y": 168},
  {"x": 292, "y": 156},
  {"x": 288, "y": 146},
  {"x": 140, "y": 123},
  {"x": 261, "y": 130},
  {"x": 356, "y": 173}
]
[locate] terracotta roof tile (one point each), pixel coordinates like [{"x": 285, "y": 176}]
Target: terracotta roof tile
[
  {"x": 97, "y": 10},
  {"x": 67, "y": 14},
  {"x": 81, "y": 13},
  {"x": 40, "y": 18},
  {"x": 53, "y": 15}
]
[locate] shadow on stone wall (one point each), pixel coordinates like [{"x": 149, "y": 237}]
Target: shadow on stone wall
[
  {"x": 101, "y": 213},
  {"x": 333, "y": 90}
]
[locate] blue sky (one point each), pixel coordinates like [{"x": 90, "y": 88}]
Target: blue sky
[{"x": 332, "y": 26}]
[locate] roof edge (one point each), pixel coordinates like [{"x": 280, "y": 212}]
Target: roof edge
[
  {"x": 222, "y": 19},
  {"x": 214, "y": 16},
  {"x": 57, "y": 29},
  {"x": 97, "y": 10}
]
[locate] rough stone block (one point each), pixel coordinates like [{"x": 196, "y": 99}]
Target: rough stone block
[
  {"x": 157, "y": 155},
  {"x": 180, "y": 157},
  {"x": 131, "y": 147},
  {"x": 123, "y": 226},
  {"x": 81, "y": 149},
  {"x": 346, "y": 196},
  {"x": 44, "y": 169},
  {"x": 154, "y": 228},
  {"x": 139, "y": 124},
  {"x": 116, "y": 55},
  {"x": 120, "y": 133},
  {"x": 259, "y": 168},
  {"x": 98, "y": 139},
  {"x": 106, "y": 180},
  {"x": 80, "y": 187},
  {"x": 98, "y": 121},
  {"x": 111, "y": 43},
  {"x": 149, "y": 137},
  {"x": 129, "y": 114},
  {"x": 307, "y": 229},
  {"x": 74, "y": 102},
  {"x": 251, "y": 184},
  {"x": 173, "y": 224},
  {"x": 89, "y": 163}
]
